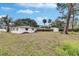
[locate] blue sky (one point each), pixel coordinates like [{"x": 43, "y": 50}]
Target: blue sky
[{"x": 36, "y": 11}]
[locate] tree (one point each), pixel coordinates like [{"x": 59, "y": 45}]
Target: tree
[
  {"x": 7, "y": 21},
  {"x": 69, "y": 8},
  {"x": 61, "y": 8},
  {"x": 1, "y": 22},
  {"x": 58, "y": 23},
  {"x": 44, "y": 21},
  {"x": 26, "y": 22},
  {"x": 74, "y": 12},
  {"x": 49, "y": 21},
  {"x": 75, "y": 24}
]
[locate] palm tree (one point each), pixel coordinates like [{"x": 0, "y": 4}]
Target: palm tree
[
  {"x": 44, "y": 21},
  {"x": 49, "y": 21}
]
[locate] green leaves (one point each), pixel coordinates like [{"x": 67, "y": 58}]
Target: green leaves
[
  {"x": 4, "y": 51},
  {"x": 26, "y": 22},
  {"x": 68, "y": 49}
]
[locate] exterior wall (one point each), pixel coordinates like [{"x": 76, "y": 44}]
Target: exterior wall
[
  {"x": 55, "y": 29},
  {"x": 18, "y": 30},
  {"x": 3, "y": 30},
  {"x": 22, "y": 30},
  {"x": 31, "y": 30}
]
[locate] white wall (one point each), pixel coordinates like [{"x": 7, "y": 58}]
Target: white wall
[
  {"x": 55, "y": 29},
  {"x": 22, "y": 30},
  {"x": 3, "y": 30}
]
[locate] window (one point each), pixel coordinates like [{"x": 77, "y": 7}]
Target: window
[
  {"x": 32, "y": 28},
  {"x": 16, "y": 29},
  {"x": 26, "y": 28},
  {"x": 13, "y": 28},
  {"x": 5, "y": 27}
]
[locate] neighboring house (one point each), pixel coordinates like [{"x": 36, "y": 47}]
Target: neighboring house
[
  {"x": 23, "y": 29},
  {"x": 20, "y": 29},
  {"x": 3, "y": 28}
]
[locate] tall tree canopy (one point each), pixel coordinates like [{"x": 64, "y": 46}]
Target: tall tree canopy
[
  {"x": 44, "y": 21},
  {"x": 7, "y": 21},
  {"x": 58, "y": 23},
  {"x": 49, "y": 21},
  {"x": 26, "y": 22},
  {"x": 70, "y": 9}
]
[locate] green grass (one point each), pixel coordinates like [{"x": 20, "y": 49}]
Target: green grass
[
  {"x": 36, "y": 44},
  {"x": 68, "y": 48},
  {"x": 3, "y": 51}
]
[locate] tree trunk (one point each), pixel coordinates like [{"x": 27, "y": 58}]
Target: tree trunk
[
  {"x": 73, "y": 21},
  {"x": 68, "y": 18},
  {"x": 8, "y": 29}
]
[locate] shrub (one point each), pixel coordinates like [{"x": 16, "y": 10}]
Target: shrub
[
  {"x": 3, "y": 51},
  {"x": 68, "y": 49}
]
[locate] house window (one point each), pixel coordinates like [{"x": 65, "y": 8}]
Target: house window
[
  {"x": 13, "y": 28},
  {"x": 26, "y": 28},
  {"x": 16, "y": 29},
  {"x": 32, "y": 28},
  {"x": 4, "y": 27}
]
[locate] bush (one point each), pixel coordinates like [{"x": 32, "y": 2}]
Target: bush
[
  {"x": 3, "y": 51},
  {"x": 68, "y": 49}
]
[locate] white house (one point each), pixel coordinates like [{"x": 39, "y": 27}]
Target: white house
[
  {"x": 20, "y": 29},
  {"x": 23, "y": 29}
]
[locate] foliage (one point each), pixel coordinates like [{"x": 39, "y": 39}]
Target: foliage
[
  {"x": 3, "y": 51},
  {"x": 26, "y": 22},
  {"x": 7, "y": 21},
  {"x": 58, "y": 23},
  {"x": 44, "y": 21},
  {"x": 68, "y": 49},
  {"x": 49, "y": 21},
  {"x": 61, "y": 7},
  {"x": 40, "y": 43},
  {"x": 70, "y": 9}
]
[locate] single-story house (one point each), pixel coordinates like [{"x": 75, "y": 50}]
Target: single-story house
[
  {"x": 20, "y": 29},
  {"x": 2, "y": 28},
  {"x": 23, "y": 29}
]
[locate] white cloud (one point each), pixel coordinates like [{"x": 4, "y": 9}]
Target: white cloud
[
  {"x": 37, "y": 11},
  {"x": 38, "y": 5},
  {"x": 27, "y": 11},
  {"x": 6, "y": 8}
]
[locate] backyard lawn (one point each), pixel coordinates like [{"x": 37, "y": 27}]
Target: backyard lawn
[{"x": 39, "y": 43}]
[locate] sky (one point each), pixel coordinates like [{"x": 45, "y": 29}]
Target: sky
[{"x": 36, "y": 11}]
